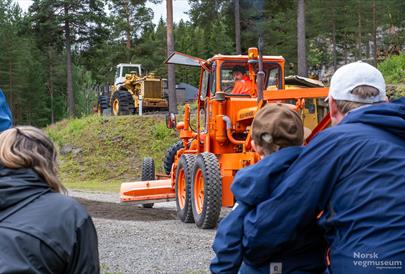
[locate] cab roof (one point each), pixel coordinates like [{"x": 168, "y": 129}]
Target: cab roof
[
  {"x": 178, "y": 58},
  {"x": 245, "y": 57},
  {"x": 128, "y": 65}
]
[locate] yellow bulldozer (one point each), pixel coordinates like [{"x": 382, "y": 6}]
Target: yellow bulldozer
[{"x": 133, "y": 93}]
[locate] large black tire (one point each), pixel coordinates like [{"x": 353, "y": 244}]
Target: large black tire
[
  {"x": 184, "y": 178},
  {"x": 148, "y": 174},
  {"x": 207, "y": 203},
  {"x": 122, "y": 103},
  {"x": 102, "y": 104},
  {"x": 131, "y": 106},
  {"x": 169, "y": 159}
]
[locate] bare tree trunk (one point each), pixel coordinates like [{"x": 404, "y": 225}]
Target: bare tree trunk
[
  {"x": 128, "y": 27},
  {"x": 359, "y": 38},
  {"x": 69, "y": 80},
  {"x": 50, "y": 84},
  {"x": 334, "y": 52},
  {"x": 345, "y": 51},
  {"x": 302, "y": 59},
  {"x": 367, "y": 44},
  {"x": 10, "y": 84},
  {"x": 374, "y": 35},
  {"x": 237, "y": 27},
  {"x": 171, "y": 77}
]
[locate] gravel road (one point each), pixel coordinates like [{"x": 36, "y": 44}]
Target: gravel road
[{"x": 133, "y": 239}]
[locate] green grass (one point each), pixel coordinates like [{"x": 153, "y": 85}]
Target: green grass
[
  {"x": 109, "y": 150},
  {"x": 393, "y": 69},
  {"x": 95, "y": 185}
]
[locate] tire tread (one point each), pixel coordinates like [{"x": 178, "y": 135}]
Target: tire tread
[
  {"x": 209, "y": 216},
  {"x": 148, "y": 174},
  {"x": 170, "y": 154},
  {"x": 187, "y": 162}
]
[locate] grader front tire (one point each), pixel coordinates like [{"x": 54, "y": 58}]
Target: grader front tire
[
  {"x": 148, "y": 174},
  {"x": 206, "y": 191},
  {"x": 122, "y": 103},
  {"x": 184, "y": 177}
]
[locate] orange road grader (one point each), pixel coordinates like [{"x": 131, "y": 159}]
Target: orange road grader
[{"x": 216, "y": 143}]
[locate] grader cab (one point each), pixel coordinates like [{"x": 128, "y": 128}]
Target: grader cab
[{"x": 216, "y": 143}]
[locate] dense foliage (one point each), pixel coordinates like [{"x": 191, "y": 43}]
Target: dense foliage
[{"x": 98, "y": 34}]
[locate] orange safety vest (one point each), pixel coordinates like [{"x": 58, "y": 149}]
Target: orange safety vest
[{"x": 243, "y": 86}]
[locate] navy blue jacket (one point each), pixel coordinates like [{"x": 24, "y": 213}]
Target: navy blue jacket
[
  {"x": 6, "y": 120},
  {"x": 42, "y": 231},
  {"x": 355, "y": 172},
  {"x": 253, "y": 185}
]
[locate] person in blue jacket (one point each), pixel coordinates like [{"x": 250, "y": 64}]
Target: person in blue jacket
[
  {"x": 6, "y": 120},
  {"x": 275, "y": 128},
  {"x": 354, "y": 172}
]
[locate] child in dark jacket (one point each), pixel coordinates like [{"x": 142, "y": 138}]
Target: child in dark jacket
[{"x": 275, "y": 128}]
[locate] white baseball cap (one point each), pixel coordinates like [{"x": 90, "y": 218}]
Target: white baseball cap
[{"x": 352, "y": 75}]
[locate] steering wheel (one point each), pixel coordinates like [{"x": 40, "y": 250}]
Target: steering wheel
[{"x": 228, "y": 89}]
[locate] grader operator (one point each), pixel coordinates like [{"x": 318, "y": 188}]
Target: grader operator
[{"x": 217, "y": 144}]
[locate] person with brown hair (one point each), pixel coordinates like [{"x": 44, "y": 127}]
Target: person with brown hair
[
  {"x": 41, "y": 230},
  {"x": 278, "y": 135}
]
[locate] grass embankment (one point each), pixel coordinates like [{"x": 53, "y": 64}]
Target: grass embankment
[
  {"x": 99, "y": 153},
  {"x": 393, "y": 69}
]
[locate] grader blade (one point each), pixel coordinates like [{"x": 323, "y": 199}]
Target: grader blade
[{"x": 150, "y": 191}]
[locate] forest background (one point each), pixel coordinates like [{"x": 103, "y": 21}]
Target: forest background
[{"x": 93, "y": 36}]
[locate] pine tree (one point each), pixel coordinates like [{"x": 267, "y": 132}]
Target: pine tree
[{"x": 79, "y": 20}]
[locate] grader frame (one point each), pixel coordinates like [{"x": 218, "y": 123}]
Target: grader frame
[{"x": 203, "y": 169}]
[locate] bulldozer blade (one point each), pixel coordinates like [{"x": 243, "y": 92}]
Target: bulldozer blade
[{"x": 151, "y": 191}]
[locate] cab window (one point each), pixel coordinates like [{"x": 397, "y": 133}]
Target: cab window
[
  {"x": 227, "y": 81},
  {"x": 273, "y": 79},
  {"x": 128, "y": 70},
  {"x": 272, "y": 74},
  {"x": 205, "y": 85}
]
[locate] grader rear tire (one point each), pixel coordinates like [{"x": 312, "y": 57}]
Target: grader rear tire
[
  {"x": 102, "y": 104},
  {"x": 148, "y": 174},
  {"x": 184, "y": 177},
  {"x": 206, "y": 190},
  {"x": 170, "y": 153}
]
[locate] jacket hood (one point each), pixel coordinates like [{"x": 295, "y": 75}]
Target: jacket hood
[
  {"x": 6, "y": 120},
  {"x": 389, "y": 117},
  {"x": 17, "y": 185},
  {"x": 254, "y": 184}
]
